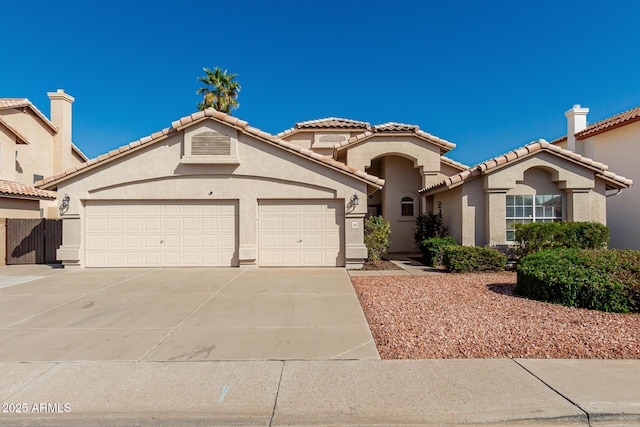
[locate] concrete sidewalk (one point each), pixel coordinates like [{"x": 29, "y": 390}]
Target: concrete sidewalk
[{"x": 363, "y": 392}]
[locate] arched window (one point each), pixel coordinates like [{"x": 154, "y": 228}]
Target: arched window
[{"x": 407, "y": 207}]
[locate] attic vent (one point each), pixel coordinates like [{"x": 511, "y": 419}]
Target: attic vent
[{"x": 210, "y": 144}]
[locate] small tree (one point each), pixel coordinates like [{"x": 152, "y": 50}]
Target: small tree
[
  {"x": 376, "y": 236},
  {"x": 430, "y": 225}
]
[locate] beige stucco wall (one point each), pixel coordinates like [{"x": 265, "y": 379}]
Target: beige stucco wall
[
  {"x": 450, "y": 203},
  {"x": 7, "y": 155},
  {"x": 264, "y": 172},
  {"x": 37, "y": 156},
  {"x": 620, "y": 149},
  {"x": 19, "y": 208}
]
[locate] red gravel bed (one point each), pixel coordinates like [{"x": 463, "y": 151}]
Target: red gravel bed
[{"x": 476, "y": 315}]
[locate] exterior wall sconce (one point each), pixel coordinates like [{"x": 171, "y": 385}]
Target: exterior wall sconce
[
  {"x": 355, "y": 201},
  {"x": 64, "y": 205}
]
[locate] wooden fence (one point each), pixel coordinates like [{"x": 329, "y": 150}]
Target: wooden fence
[{"x": 33, "y": 241}]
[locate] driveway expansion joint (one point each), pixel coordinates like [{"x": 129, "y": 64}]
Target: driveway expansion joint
[
  {"x": 275, "y": 401},
  {"x": 555, "y": 391}
]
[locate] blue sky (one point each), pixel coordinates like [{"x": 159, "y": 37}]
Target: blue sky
[{"x": 487, "y": 75}]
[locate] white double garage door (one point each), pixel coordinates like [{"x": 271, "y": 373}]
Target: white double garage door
[{"x": 183, "y": 233}]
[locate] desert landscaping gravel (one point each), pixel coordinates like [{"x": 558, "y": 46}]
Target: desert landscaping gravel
[{"x": 476, "y": 315}]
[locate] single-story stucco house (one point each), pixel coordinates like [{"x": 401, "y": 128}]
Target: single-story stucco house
[{"x": 210, "y": 190}]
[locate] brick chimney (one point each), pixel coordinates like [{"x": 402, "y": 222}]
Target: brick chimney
[
  {"x": 576, "y": 121},
  {"x": 61, "y": 118}
]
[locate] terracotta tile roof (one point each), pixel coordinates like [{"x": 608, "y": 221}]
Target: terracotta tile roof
[
  {"x": 327, "y": 123},
  {"x": 373, "y": 181},
  {"x": 20, "y": 139},
  {"x": 21, "y": 191},
  {"x": 397, "y": 128},
  {"x": 559, "y": 140},
  {"x": 12, "y": 103},
  {"x": 525, "y": 151},
  {"x": 624, "y": 118},
  {"x": 453, "y": 163},
  {"x": 610, "y": 123}
]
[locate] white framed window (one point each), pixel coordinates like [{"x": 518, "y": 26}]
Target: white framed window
[
  {"x": 407, "y": 206},
  {"x": 526, "y": 209}
]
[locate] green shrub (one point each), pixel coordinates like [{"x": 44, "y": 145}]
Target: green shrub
[
  {"x": 472, "y": 258},
  {"x": 429, "y": 225},
  {"x": 433, "y": 249},
  {"x": 376, "y": 236},
  {"x": 540, "y": 236},
  {"x": 606, "y": 280}
]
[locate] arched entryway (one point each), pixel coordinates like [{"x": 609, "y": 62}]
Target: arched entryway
[{"x": 398, "y": 201}]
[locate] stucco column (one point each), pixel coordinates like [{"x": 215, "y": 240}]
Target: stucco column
[
  {"x": 248, "y": 232},
  {"x": 70, "y": 251},
  {"x": 496, "y": 216},
  {"x": 354, "y": 248},
  {"x": 578, "y": 204},
  {"x": 429, "y": 178}
]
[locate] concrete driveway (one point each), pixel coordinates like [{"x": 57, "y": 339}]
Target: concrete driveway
[{"x": 180, "y": 314}]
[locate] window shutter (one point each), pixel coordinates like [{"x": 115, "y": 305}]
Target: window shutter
[{"x": 210, "y": 144}]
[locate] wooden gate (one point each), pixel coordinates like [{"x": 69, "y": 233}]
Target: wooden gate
[{"x": 33, "y": 241}]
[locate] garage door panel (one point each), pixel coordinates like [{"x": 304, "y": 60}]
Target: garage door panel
[
  {"x": 227, "y": 224},
  {"x": 269, "y": 224},
  {"x": 134, "y": 241},
  {"x": 152, "y": 258},
  {"x": 115, "y": 209},
  {"x": 133, "y": 224},
  {"x": 190, "y": 224},
  {"x": 226, "y": 241},
  {"x": 115, "y": 224},
  {"x": 115, "y": 258},
  {"x": 134, "y": 257},
  {"x": 291, "y": 224},
  {"x": 115, "y": 242},
  {"x": 313, "y": 223},
  {"x": 133, "y": 209},
  {"x": 149, "y": 233},
  {"x": 95, "y": 242},
  {"x": 95, "y": 224},
  {"x": 171, "y": 224},
  {"x": 300, "y": 233},
  {"x": 289, "y": 241},
  {"x": 209, "y": 224},
  {"x": 312, "y": 241}
]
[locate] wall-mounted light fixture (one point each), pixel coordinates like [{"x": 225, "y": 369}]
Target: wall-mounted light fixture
[
  {"x": 355, "y": 201},
  {"x": 64, "y": 205}
]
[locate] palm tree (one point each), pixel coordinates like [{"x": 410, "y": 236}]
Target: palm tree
[{"x": 220, "y": 91}]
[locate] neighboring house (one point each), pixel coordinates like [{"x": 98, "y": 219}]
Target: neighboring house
[
  {"x": 213, "y": 191},
  {"x": 32, "y": 147},
  {"x": 614, "y": 141}
]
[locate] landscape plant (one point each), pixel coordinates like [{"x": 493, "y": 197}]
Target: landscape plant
[
  {"x": 460, "y": 259},
  {"x": 433, "y": 249},
  {"x": 429, "y": 225},
  {"x": 539, "y": 236},
  {"x": 606, "y": 280},
  {"x": 377, "y": 231}
]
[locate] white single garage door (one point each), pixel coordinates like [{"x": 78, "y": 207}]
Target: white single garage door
[
  {"x": 146, "y": 233},
  {"x": 300, "y": 233}
]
